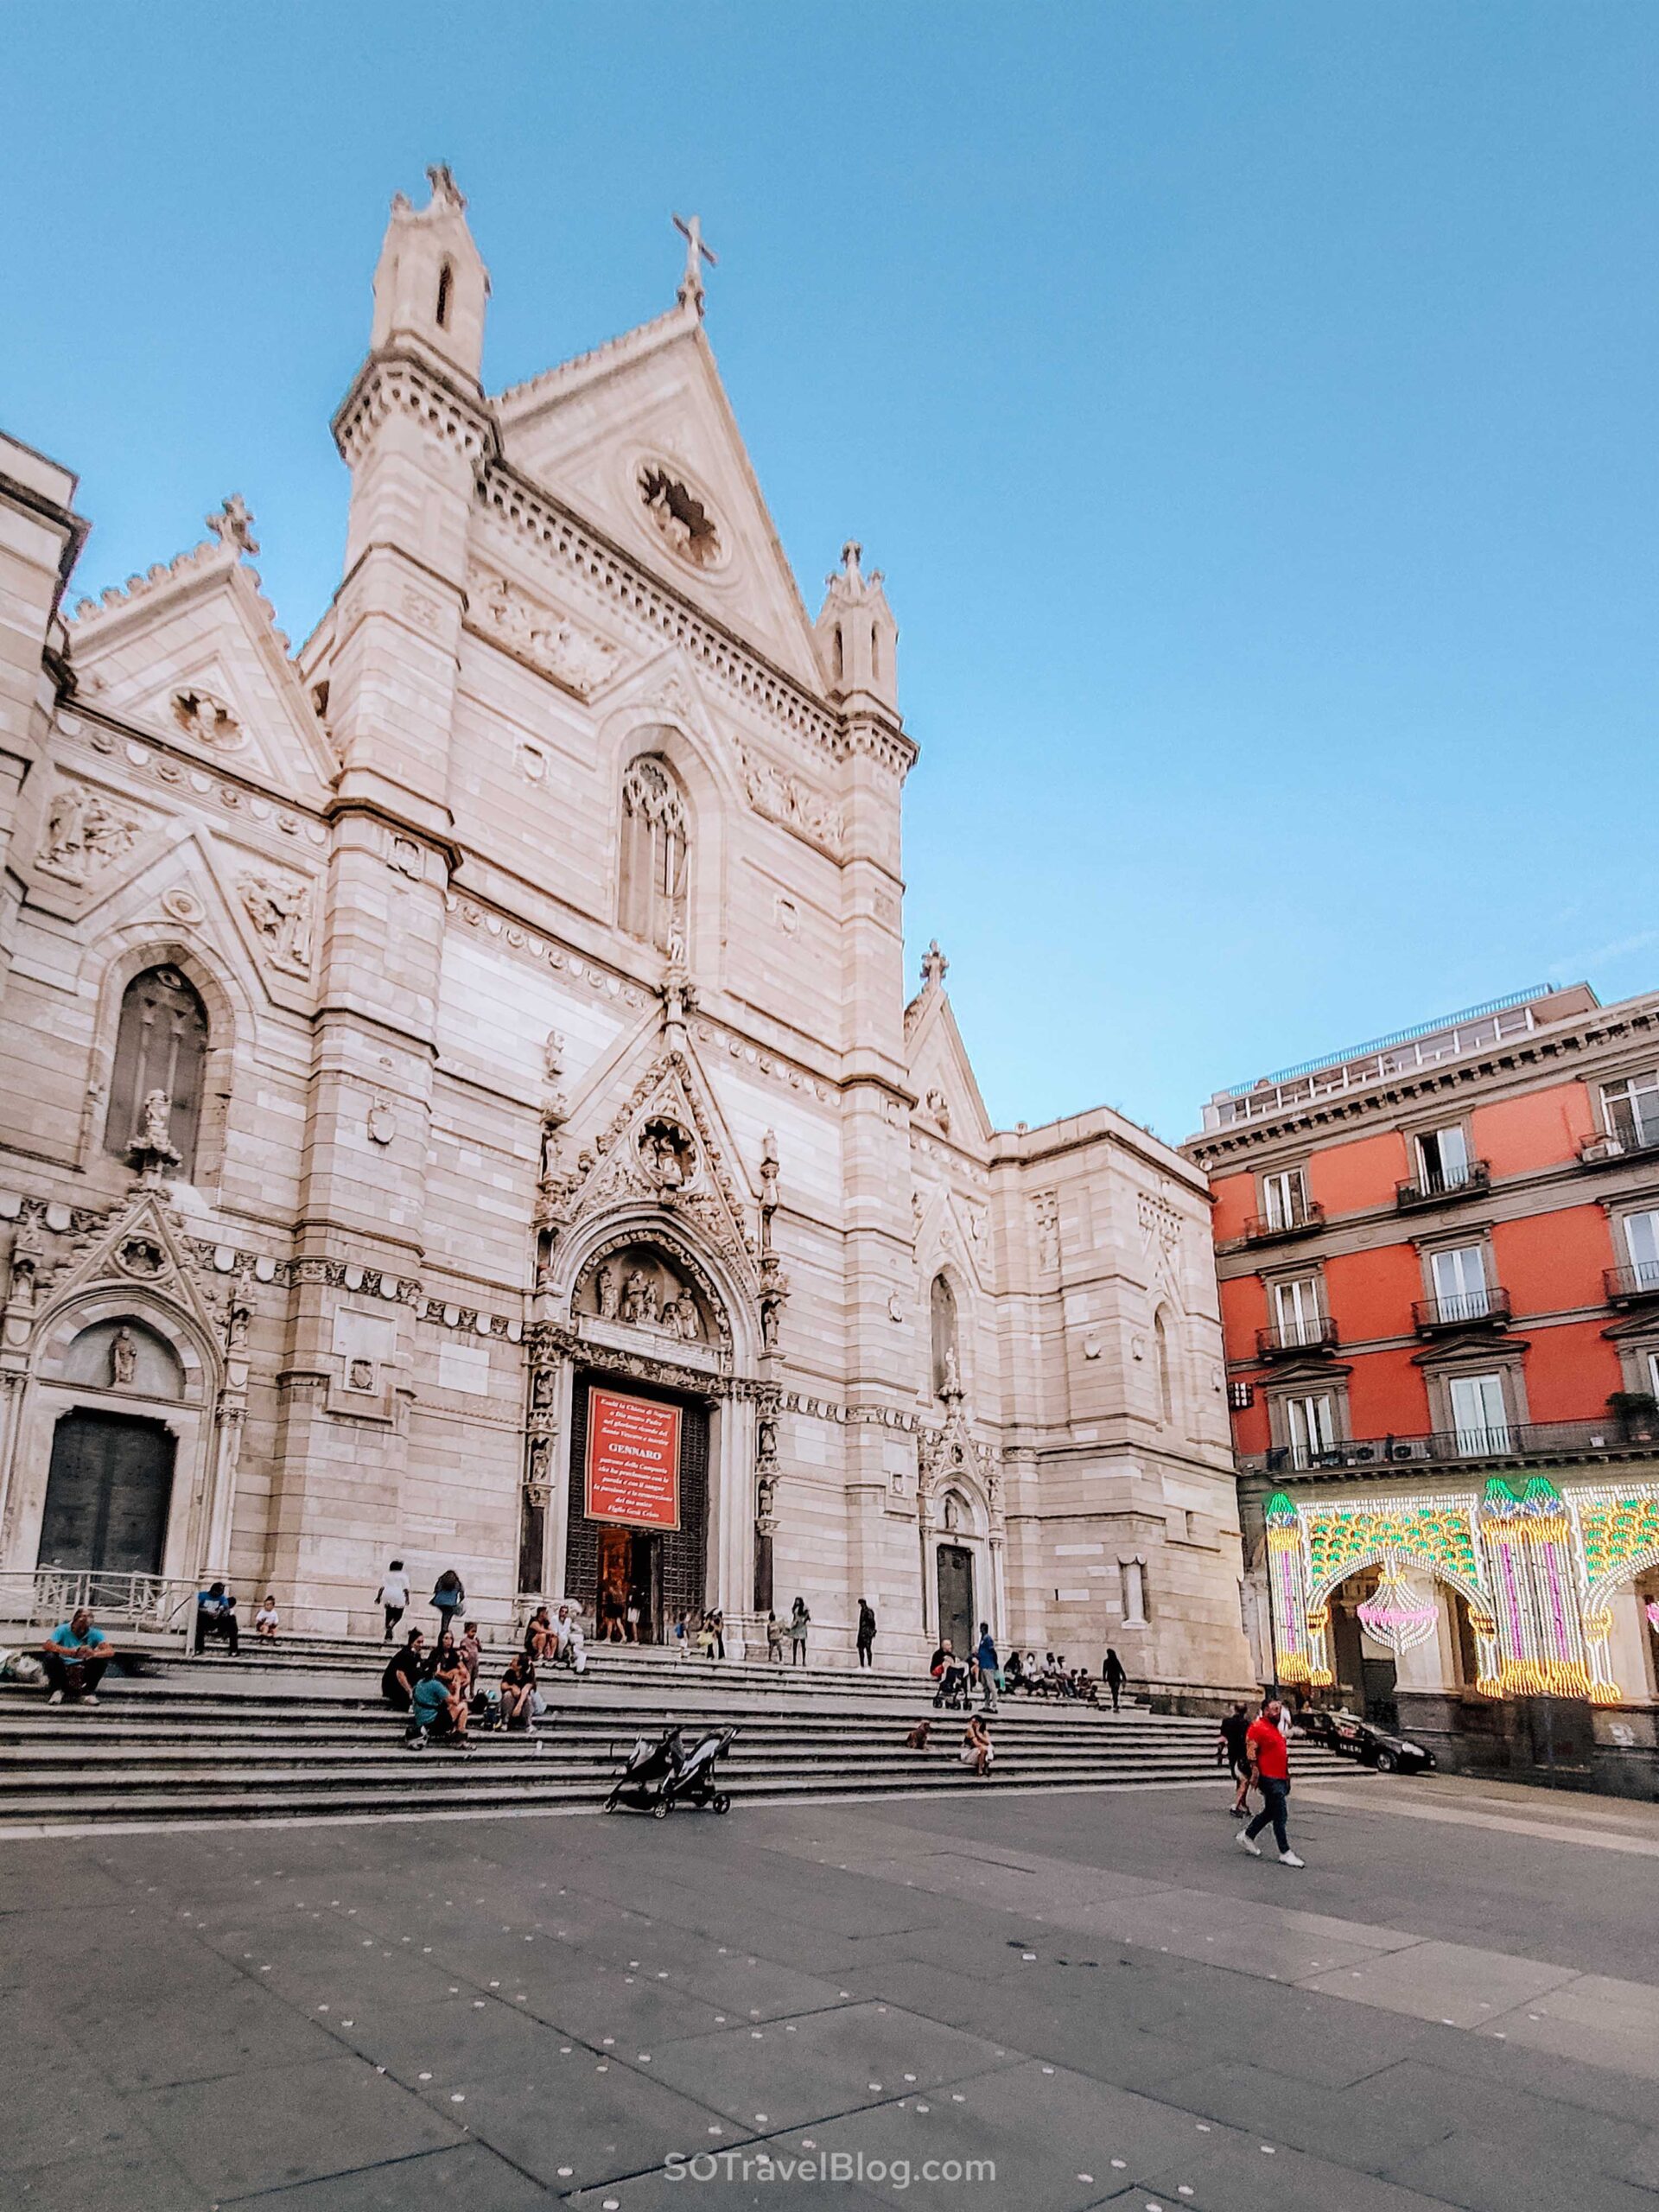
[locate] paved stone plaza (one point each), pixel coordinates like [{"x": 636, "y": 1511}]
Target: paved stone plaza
[{"x": 1457, "y": 2003}]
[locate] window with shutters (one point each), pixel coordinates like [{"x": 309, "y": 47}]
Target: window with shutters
[
  {"x": 655, "y": 847},
  {"x": 161, "y": 1045}
]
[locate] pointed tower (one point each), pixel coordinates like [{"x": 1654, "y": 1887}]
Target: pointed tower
[
  {"x": 858, "y": 638},
  {"x": 431, "y": 284}
]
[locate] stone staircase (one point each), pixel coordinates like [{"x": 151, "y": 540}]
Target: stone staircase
[{"x": 302, "y": 1733}]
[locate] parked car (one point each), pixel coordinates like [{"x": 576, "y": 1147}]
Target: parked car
[{"x": 1354, "y": 1738}]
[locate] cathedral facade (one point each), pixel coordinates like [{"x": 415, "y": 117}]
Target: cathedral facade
[{"x": 463, "y": 1101}]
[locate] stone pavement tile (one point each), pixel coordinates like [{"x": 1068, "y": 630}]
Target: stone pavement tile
[
  {"x": 468, "y": 2177},
  {"x": 334, "y": 1967},
  {"x": 568, "y": 2122},
  {"x": 1484, "y": 2058},
  {"x": 1595, "y": 2018},
  {"x": 744, "y": 1982},
  {"x": 450, "y": 2040},
  {"x": 1238, "y": 2176},
  {"x": 1443, "y": 1981},
  {"x": 1514, "y": 2174},
  {"x": 275, "y": 2125},
  {"x": 1267, "y": 1939},
  {"x": 67, "y": 2114},
  {"x": 138, "y": 2179},
  {"x": 792, "y": 2071},
  {"x": 1045, "y": 2139},
  {"x": 47, "y": 1880},
  {"x": 229, "y": 2030},
  {"x": 747, "y": 2178},
  {"x": 1497, "y": 2112},
  {"x": 1640, "y": 2163},
  {"x": 1357, "y": 2127},
  {"x": 1303, "y": 2033},
  {"x": 608, "y": 2001}
]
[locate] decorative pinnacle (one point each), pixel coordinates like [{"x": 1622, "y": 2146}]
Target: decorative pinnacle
[{"x": 934, "y": 964}]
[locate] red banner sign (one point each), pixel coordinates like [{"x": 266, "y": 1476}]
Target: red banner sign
[{"x": 633, "y": 1460}]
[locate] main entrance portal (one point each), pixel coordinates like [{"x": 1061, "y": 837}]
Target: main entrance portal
[
  {"x": 636, "y": 1507},
  {"x": 107, "y": 1494},
  {"x": 957, "y": 1622}
]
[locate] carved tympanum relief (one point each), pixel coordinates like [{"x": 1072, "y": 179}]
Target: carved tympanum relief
[{"x": 85, "y": 831}]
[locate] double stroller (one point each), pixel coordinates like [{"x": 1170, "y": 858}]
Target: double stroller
[{"x": 662, "y": 1774}]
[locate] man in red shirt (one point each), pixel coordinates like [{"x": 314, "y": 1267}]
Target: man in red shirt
[{"x": 1269, "y": 1755}]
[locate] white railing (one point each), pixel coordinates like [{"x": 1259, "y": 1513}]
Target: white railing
[
  {"x": 1300, "y": 1087},
  {"x": 49, "y": 1594}
]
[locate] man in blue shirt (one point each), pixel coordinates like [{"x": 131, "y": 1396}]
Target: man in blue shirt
[
  {"x": 75, "y": 1655},
  {"x": 985, "y": 1659},
  {"x": 216, "y": 1615}
]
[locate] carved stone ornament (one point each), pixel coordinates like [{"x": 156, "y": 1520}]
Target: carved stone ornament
[
  {"x": 382, "y": 1122},
  {"x": 681, "y": 517},
  {"x": 152, "y": 1149},
  {"x": 280, "y": 909},
  {"x": 84, "y": 833},
  {"x": 204, "y": 716},
  {"x": 142, "y": 1257},
  {"x": 359, "y": 1376},
  {"x": 181, "y": 906},
  {"x": 785, "y": 798},
  {"x": 124, "y": 1359},
  {"x": 939, "y": 1106},
  {"x": 546, "y": 640},
  {"x": 668, "y": 1151}
]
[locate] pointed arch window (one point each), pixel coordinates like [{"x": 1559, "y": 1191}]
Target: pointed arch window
[
  {"x": 160, "y": 1043},
  {"x": 656, "y": 848},
  {"x": 446, "y": 292},
  {"x": 947, "y": 1357}
]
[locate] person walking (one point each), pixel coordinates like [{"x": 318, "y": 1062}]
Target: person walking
[
  {"x": 1269, "y": 1769},
  {"x": 449, "y": 1596},
  {"x": 774, "y": 1636},
  {"x": 799, "y": 1621},
  {"x": 1231, "y": 1737},
  {"x": 986, "y": 1660},
  {"x": 1114, "y": 1675},
  {"x": 392, "y": 1596},
  {"x": 866, "y": 1633}
]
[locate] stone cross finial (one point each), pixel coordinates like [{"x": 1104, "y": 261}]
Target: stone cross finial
[
  {"x": 233, "y": 526},
  {"x": 696, "y": 253},
  {"x": 934, "y": 964},
  {"x": 441, "y": 177}
]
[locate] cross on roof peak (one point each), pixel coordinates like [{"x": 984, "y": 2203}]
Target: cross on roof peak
[{"x": 690, "y": 229}]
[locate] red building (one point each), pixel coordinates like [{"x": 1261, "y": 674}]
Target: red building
[{"x": 1438, "y": 1262}]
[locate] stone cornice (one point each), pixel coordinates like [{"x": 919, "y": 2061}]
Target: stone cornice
[{"x": 395, "y": 382}]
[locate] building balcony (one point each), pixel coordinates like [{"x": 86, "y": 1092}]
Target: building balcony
[
  {"x": 1632, "y": 1285},
  {"x": 1444, "y": 1190},
  {"x": 1616, "y": 1149},
  {"x": 1312, "y": 1339},
  {"x": 1304, "y": 1220},
  {"x": 1470, "y": 1309},
  {"x": 1636, "y": 1430}
]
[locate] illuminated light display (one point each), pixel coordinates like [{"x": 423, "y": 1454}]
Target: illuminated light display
[
  {"x": 1398, "y": 1613},
  {"x": 1538, "y": 1572}
]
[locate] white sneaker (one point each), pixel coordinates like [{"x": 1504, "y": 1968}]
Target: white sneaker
[
  {"x": 1290, "y": 1859},
  {"x": 1248, "y": 1843},
  {"x": 90, "y": 1698},
  {"x": 56, "y": 1698}
]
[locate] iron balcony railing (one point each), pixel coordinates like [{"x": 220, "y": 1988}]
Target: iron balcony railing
[
  {"x": 1297, "y": 1339},
  {"x": 1442, "y": 1188},
  {"x": 1468, "y": 1309},
  {"x": 1514, "y": 1439},
  {"x": 1634, "y": 1141},
  {"x": 49, "y": 1594},
  {"x": 1636, "y": 1286},
  {"x": 1300, "y": 1220}
]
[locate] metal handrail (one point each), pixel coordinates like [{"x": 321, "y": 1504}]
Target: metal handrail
[
  {"x": 1627, "y": 1286},
  {"x": 1514, "y": 1439},
  {"x": 1460, "y": 1183},
  {"x": 1301, "y": 1221},
  {"x": 1318, "y": 1333},
  {"x": 1468, "y": 1309},
  {"x": 45, "y": 1595}
]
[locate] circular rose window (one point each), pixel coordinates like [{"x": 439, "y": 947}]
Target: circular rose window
[{"x": 680, "y": 516}]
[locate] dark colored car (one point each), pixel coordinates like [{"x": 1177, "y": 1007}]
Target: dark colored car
[{"x": 1345, "y": 1733}]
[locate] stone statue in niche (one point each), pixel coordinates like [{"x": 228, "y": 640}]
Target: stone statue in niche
[
  {"x": 667, "y": 1152},
  {"x": 124, "y": 1359},
  {"x": 553, "y": 1055},
  {"x": 280, "y": 909},
  {"x": 680, "y": 1318},
  {"x": 541, "y": 1389},
  {"x": 152, "y": 1148},
  {"x": 606, "y": 1293},
  {"x": 639, "y": 1300}
]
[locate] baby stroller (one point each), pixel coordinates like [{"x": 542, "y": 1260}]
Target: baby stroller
[
  {"x": 694, "y": 1782},
  {"x": 952, "y": 1692},
  {"x": 642, "y": 1784}
]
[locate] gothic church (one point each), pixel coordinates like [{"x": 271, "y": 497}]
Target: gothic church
[{"x": 462, "y": 1100}]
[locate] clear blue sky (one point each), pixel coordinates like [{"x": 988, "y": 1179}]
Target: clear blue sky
[{"x": 1253, "y": 409}]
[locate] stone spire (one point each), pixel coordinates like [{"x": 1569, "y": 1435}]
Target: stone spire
[
  {"x": 857, "y": 636},
  {"x": 431, "y": 285}
]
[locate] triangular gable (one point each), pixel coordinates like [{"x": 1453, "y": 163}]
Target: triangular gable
[
  {"x": 941, "y": 1074},
  {"x": 650, "y": 403},
  {"x": 192, "y": 652},
  {"x": 629, "y": 1157},
  {"x": 140, "y": 1247}
]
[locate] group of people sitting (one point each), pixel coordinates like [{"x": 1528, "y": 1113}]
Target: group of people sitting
[
  {"x": 1054, "y": 1678},
  {"x": 216, "y": 1621},
  {"x": 438, "y": 1687}
]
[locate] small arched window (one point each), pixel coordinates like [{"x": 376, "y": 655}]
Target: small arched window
[
  {"x": 446, "y": 289},
  {"x": 942, "y": 1306},
  {"x": 841, "y": 653},
  {"x": 655, "y": 846},
  {"x": 1166, "y": 1379},
  {"x": 160, "y": 1045}
]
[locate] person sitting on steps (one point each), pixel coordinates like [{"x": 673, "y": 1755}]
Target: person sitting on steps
[
  {"x": 403, "y": 1671},
  {"x": 518, "y": 1691},
  {"x": 74, "y": 1657},
  {"x": 977, "y": 1751},
  {"x": 216, "y": 1617}
]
